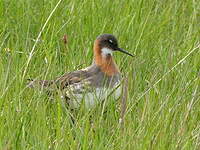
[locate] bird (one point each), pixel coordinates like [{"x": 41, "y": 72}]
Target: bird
[{"x": 92, "y": 84}]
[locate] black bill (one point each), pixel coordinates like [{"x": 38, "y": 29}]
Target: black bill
[{"x": 125, "y": 52}]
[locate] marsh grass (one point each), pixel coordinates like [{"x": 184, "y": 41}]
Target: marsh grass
[{"x": 163, "y": 79}]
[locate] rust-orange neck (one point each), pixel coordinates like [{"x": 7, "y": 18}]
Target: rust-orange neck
[{"x": 106, "y": 63}]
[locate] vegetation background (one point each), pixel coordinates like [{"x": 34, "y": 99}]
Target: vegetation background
[{"x": 163, "y": 104}]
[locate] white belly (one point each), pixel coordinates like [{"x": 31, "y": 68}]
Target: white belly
[{"x": 90, "y": 99}]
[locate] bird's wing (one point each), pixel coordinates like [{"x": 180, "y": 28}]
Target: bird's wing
[
  {"x": 71, "y": 78},
  {"x": 60, "y": 82}
]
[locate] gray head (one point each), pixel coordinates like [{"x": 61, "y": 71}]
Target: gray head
[{"x": 108, "y": 43}]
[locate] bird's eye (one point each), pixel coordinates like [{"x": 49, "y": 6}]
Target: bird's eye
[{"x": 110, "y": 41}]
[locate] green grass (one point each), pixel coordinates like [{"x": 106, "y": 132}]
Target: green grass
[{"x": 163, "y": 104}]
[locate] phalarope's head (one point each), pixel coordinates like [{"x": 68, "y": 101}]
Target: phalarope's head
[{"x": 106, "y": 44}]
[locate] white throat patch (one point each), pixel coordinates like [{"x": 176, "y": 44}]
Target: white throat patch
[{"x": 106, "y": 51}]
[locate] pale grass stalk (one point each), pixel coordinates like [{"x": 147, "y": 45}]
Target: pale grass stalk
[
  {"x": 37, "y": 39},
  {"x": 189, "y": 108},
  {"x": 169, "y": 71},
  {"x": 123, "y": 102}
]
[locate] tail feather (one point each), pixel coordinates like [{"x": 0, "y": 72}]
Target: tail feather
[{"x": 39, "y": 83}]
